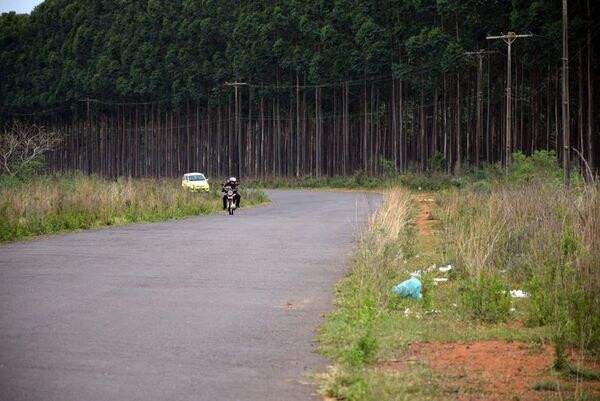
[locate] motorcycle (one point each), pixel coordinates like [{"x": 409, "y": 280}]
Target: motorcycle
[{"x": 231, "y": 195}]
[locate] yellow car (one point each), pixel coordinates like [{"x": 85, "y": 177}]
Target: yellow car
[{"x": 195, "y": 182}]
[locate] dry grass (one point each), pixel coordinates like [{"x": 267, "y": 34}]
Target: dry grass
[
  {"x": 384, "y": 245},
  {"x": 48, "y": 204},
  {"x": 540, "y": 237}
]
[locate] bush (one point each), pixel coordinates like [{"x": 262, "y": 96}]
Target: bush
[
  {"x": 487, "y": 299},
  {"x": 362, "y": 350},
  {"x": 437, "y": 163},
  {"x": 482, "y": 187},
  {"x": 542, "y": 165}
]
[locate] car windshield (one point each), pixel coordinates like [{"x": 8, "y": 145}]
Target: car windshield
[{"x": 196, "y": 177}]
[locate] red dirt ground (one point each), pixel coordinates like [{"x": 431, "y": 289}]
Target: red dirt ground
[
  {"x": 495, "y": 370},
  {"x": 424, "y": 224}
]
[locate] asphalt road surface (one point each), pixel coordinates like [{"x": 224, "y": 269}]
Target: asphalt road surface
[{"x": 207, "y": 308}]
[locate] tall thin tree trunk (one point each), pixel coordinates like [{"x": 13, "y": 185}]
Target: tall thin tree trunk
[
  {"x": 590, "y": 117},
  {"x": 422, "y": 144},
  {"x": 458, "y": 127},
  {"x": 580, "y": 107},
  {"x": 297, "y": 124}
]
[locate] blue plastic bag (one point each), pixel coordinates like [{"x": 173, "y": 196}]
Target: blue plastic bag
[{"x": 410, "y": 288}]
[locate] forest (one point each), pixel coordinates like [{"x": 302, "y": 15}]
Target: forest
[{"x": 294, "y": 88}]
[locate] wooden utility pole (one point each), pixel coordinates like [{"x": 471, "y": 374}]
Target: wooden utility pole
[
  {"x": 480, "y": 54},
  {"x": 565, "y": 96},
  {"x": 509, "y": 38},
  {"x": 238, "y": 122}
]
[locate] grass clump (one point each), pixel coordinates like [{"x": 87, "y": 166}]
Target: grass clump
[
  {"x": 545, "y": 386},
  {"x": 581, "y": 372},
  {"x": 50, "y": 203}
]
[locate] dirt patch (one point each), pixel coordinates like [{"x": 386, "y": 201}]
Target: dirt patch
[
  {"x": 424, "y": 221},
  {"x": 495, "y": 370}
]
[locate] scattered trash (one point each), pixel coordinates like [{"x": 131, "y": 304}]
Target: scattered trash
[
  {"x": 410, "y": 288},
  {"x": 440, "y": 279},
  {"x": 445, "y": 269},
  {"x": 407, "y": 312},
  {"x": 432, "y": 267},
  {"x": 519, "y": 294},
  {"x": 433, "y": 311},
  {"x": 513, "y": 310},
  {"x": 416, "y": 273}
]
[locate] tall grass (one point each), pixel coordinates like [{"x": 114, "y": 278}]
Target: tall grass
[
  {"x": 538, "y": 236},
  {"x": 47, "y": 204},
  {"x": 362, "y": 297}
]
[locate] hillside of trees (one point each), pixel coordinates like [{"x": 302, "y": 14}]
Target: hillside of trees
[{"x": 329, "y": 87}]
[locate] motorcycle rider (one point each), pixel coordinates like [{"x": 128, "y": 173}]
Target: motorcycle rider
[{"x": 233, "y": 183}]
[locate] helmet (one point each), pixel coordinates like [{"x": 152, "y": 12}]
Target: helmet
[{"x": 233, "y": 179}]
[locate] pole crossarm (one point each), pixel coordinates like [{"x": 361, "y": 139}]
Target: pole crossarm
[
  {"x": 510, "y": 35},
  {"x": 481, "y": 52}
]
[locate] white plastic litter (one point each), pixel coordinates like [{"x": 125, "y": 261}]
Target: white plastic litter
[
  {"x": 519, "y": 294},
  {"x": 440, "y": 279},
  {"x": 445, "y": 269},
  {"x": 416, "y": 273}
]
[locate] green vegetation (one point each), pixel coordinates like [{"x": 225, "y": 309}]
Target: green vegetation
[
  {"x": 502, "y": 230},
  {"x": 546, "y": 386},
  {"x": 180, "y": 50},
  {"x": 46, "y": 204},
  {"x": 326, "y": 87},
  {"x": 541, "y": 166}
]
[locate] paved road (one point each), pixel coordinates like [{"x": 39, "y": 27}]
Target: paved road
[{"x": 159, "y": 312}]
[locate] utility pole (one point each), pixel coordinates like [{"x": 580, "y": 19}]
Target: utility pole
[
  {"x": 509, "y": 38},
  {"x": 480, "y": 54},
  {"x": 565, "y": 96},
  {"x": 238, "y": 122}
]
